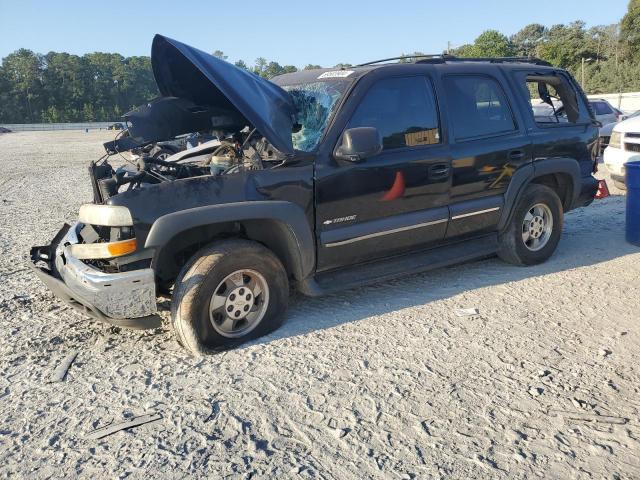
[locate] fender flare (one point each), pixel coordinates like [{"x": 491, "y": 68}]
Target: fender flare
[
  {"x": 292, "y": 219},
  {"x": 527, "y": 173}
]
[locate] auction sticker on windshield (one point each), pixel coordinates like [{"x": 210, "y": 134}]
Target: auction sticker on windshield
[{"x": 336, "y": 74}]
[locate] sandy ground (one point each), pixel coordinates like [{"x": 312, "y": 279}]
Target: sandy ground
[{"x": 380, "y": 382}]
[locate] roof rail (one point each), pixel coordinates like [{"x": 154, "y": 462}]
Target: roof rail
[
  {"x": 532, "y": 60},
  {"x": 403, "y": 57},
  {"x": 444, "y": 57}
]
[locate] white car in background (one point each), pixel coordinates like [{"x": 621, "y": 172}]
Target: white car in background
[
  {"x": 604, "y": 111},
  {"x": 624, "y": 146},
  {"x": 605, "y": 131}
]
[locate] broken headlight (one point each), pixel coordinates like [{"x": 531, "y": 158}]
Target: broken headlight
[{"x": 105, "y": 215}]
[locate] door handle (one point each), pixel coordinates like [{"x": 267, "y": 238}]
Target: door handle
[
  {"x": 516, "y": 155},
  {"x": 439, "y": 170}
]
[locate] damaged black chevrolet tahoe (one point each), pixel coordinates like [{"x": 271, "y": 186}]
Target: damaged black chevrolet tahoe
[{"x": 319, "y": 180}]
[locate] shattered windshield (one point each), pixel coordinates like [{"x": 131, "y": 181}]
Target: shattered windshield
[{"x": 315, "y": 103}]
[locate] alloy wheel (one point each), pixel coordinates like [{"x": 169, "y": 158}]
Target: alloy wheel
[
  {"x": 537, "y": 227},
  {"x": 239, "y": 303}
]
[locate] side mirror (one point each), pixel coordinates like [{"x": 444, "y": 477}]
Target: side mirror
[{"x": 359, "y": 143}]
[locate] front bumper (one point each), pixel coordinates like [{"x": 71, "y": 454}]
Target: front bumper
[{"x": 126, "y": 299}]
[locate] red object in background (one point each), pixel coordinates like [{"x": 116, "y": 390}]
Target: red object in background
[
  {"x": 603, "y": 190},
  {"x": 397, "y": 189}
]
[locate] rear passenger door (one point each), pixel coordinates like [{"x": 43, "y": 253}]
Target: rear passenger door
[{"x": 488, "y": 145}]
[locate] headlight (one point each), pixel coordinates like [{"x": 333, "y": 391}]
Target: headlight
[
  {"x": 616, "y": 140},
  {"x": 93, "y": 251},
  {"x": 105, "y": 215}
]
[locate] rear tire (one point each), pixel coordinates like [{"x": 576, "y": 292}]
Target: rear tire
[
  {"x": 228, "y": 293},
  {"x": 535, "y": 227}
]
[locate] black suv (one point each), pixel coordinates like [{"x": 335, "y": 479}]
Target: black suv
[{"x": 320, "y": 180}]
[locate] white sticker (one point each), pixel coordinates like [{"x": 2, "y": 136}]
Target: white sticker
[{"x": 336, "y": 74}]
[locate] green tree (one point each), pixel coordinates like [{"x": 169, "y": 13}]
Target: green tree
[
  {"x": 409, "y": 57},
  {"x": 219, "y": 54},
  {"x": 241, "y": 64},
  {"x": 260, "y": 66},
  {"x": 492, "y": 43},
  {"x": 311, "y": 66},
  {"x": 23, "y": 70},
  {"x": 566, "y": 45},
  {"x": 466, "y": 50},
  {"x": 489, "y": 43},
  {"x": 524, "y": 42},
  {"x": 630, "y": 30}
]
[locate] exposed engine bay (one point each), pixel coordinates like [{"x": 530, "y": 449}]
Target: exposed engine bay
[{"x": 236, "y": 152}]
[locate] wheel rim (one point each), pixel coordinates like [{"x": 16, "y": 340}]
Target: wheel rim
[
  {"x": 163, "y": 156},
  {"x": 537, "y": 227},
  {"x": 239, "y": 303}
]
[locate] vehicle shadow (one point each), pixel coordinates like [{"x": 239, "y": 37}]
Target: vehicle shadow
[{"x": 591, "y": 235}]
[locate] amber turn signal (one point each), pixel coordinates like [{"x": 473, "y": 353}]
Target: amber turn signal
[
  {"x": 91, "y": 251},
  {"x": 123, "y": 247}
]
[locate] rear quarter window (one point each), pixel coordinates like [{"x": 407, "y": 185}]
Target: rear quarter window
[{"x": 553, "y": 99}]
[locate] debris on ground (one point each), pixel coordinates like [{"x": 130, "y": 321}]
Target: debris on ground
[
  {"x": 125, "y": 425},
  {"x": 536, "y": 391},
  {"x": 467, "y": 312},
  {"x": 590, "y": 417},
  {"x": 60, "y": 373}
]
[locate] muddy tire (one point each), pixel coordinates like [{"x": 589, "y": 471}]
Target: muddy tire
[
  {"x": 535, "y": 227},
  {"x": 228, "y": 293}
]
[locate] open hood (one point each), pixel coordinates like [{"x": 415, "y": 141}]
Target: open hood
[{"x": 195, "y": 76}]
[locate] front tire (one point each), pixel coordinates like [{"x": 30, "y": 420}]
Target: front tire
[
  {"x": 230, "y": 292},
  {"x": 535, "y": 227}
]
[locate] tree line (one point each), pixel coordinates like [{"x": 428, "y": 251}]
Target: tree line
[{"x": 60, "y": 87}]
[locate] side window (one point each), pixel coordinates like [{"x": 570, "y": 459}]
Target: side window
[
  {"x": 601, "y": 108},
  {"x": 553, "y": 100},
  {"x": 478, "y": 106},
  {"x": 402, "y": 109}
]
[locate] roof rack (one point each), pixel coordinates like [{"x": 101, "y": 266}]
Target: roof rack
[
  {"x": 404, "y": 57},
  {"x": 444, "y": 57}
]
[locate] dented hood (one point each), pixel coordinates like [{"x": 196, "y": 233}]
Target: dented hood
[{"x": 188, "y": 73}]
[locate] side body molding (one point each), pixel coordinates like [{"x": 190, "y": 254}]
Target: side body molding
[
  {"x": 525, "y": 174},
  {"x": 290, "y": 218}
]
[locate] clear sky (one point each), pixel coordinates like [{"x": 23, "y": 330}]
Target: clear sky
[{"x": 322, "y": 32}]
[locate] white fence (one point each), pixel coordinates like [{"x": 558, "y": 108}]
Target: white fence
[{"x": 29, "y": 127}]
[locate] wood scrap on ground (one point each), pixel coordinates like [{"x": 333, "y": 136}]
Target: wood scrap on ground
[
  {"x": 125, "y": 425},
  {"x": 60, "y": 373}
]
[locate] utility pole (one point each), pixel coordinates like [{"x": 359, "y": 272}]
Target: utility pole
[{"x": 582, "y": 74}]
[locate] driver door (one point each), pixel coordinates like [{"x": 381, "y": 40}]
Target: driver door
[{"x": 397, "y": 200}]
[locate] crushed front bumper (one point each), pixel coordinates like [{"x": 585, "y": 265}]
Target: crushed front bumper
[{"x": 126, "y": 299}]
